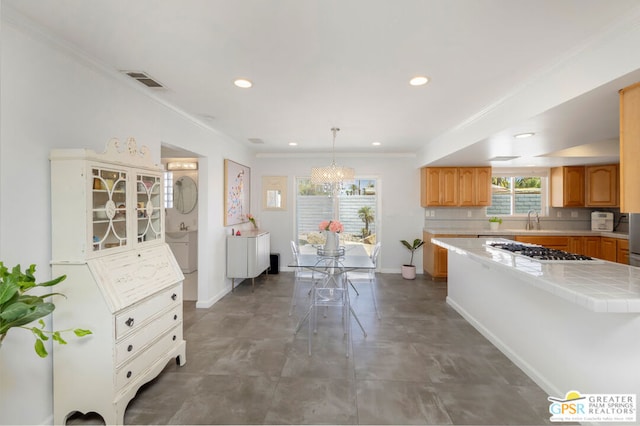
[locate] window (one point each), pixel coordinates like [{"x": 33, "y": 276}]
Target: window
[
  {"x": 168, "y": 190},
  {"x": 356, "y": 208},
  {"x": 515, "y": 195}
]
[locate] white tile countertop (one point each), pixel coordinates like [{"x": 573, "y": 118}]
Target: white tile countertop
[
  {"x": 599, "y": 286},
  {"x": 515, "y": 231}
]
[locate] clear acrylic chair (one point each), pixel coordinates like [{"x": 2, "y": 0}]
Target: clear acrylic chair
[
  {"x": 368, "y": 276},
  {"x": 302, "y": 276},
  {"x": 329, "y": 290}
]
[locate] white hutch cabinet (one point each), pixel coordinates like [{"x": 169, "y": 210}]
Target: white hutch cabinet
[
  {"x": 248, "y": 255},
  {"x": 123, "y": 283}
]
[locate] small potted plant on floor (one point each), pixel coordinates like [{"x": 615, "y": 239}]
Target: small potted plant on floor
[
  {"x": 409, "y": 271},
  {"x": 494, "y": 223}
]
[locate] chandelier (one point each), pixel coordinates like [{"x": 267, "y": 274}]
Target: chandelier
[{"x": 332, "y": 177}]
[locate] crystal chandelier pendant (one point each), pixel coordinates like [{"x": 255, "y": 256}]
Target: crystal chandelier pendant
[{"x": 332, "y": 177}]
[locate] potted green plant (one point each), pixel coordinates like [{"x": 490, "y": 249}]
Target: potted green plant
[
  {"x": 409, "y": 270},
  {"x": 18, "y": 309},
  {"x": 494, "y": 223}
]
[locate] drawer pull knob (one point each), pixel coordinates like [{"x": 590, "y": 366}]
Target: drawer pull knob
[
  {"x": 174, "y": 337},
  {"x": 129, "y": 322},
  {"x": 175, "y": 317},
  {"x": 174, "y": 296},
  {"x": 129, "y": 348},
  {"x": 128, "y": 374}
]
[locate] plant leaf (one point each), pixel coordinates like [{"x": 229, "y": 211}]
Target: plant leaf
[
  {"x": 58, "y": 338},
  {"x": 16, "y": 310},
  {"x": 7, "y": 291},
  {"x": 81, "y": 332},
  {"x": 40, "y": 311},
  {"x": 39, "y": 333},
  {"x": 40, "y": 350},
  {"x": 52, "y": 282}
]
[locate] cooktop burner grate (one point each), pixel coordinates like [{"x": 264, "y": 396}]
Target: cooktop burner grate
[{"x": 543, "y": 254}]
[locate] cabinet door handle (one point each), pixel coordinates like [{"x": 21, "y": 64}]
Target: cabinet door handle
[
  {"x": 129, "y": 348},
  {"x": 174, "y": 296},
  {"x": 129, "y": 374},
  {"x": 129, "y": 322},
  {"x": 174, "y": 337},
  {"x": 175, "y": 317}
]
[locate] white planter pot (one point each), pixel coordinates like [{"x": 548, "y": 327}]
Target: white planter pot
[
  {"x": 408, "y": 272},
  {"x": 494, "y": 226}
]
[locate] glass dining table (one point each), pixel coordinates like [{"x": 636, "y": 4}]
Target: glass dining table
[{"x": 332, "y": 269}]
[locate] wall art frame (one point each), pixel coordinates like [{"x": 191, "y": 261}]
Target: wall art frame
[{"x": 237, "y": 193}]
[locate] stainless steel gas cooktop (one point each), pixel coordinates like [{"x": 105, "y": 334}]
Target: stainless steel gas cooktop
[{"x": 543, "y": 254}]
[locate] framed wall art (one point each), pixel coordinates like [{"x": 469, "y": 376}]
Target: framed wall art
[
  {"x": 237, "y": 193},
  {"x": 274, "y": 192}
]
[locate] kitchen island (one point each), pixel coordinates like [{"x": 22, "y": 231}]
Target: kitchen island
[{"x": 569, "y": 326}]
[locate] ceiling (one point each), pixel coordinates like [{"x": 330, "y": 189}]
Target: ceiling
[{"x": 317, "y": 64}]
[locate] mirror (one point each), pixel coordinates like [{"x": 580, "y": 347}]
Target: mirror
[
  {"x": 185, "y": 194},
  {"x": 274, "y": 192}
]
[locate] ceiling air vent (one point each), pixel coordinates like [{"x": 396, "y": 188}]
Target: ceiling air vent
[
  {"x": 144, "y": 79},
  {"x": 256, "y": 140},
  {"x": 503, "y": 158}
]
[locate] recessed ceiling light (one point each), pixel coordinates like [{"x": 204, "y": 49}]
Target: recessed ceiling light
[
  {"x": 419, "y": 80},
  {"x": 243, "y": 83},
  {"x": 376, "y": 143},
  {"x": 523, "y": 135},
  {"x": 293, "y": 143}
]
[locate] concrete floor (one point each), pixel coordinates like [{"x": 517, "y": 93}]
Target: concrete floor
[{"x": 420, "y": 364}]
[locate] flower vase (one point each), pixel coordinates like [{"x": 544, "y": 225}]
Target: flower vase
[
  {"x": 332, "y": 243},
  {"x": 494, "y": 226}
]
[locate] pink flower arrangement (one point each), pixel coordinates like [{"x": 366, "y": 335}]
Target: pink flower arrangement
[
  {"x": 252, "y": 219},
  {"x": 331, "y": 225}
]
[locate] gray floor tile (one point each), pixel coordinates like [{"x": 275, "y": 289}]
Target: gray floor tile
[{"x": 422, "y": 363}]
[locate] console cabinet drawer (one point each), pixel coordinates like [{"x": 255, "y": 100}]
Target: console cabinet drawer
[{"x": 132, "y": 319}]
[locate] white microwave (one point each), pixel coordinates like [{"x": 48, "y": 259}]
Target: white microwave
[{"x": 601, "y": 221}]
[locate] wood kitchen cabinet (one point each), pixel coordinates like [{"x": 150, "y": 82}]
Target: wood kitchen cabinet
[
  {"x": 568, "y": 186},
  {"x": 622, "y": 255},
  {"x": 455, "y": 186},
  {"x": 554, "y": 242},
  {"x": 630, "y": 148},
  {"x": 602, "y": 185},
  {"x": 435, "y": 258},
  {"x": 475, "y": 186},
  {"x": 609, "y": 249},
  {"x": 439, "y": 186},
  {"x": 587, "y": 246}
]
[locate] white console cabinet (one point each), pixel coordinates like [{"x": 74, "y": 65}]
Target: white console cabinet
[
  {"x": 248, "y": 255},
  {"x": 123, "y": 282}
]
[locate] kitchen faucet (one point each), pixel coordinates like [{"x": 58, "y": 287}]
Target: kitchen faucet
[
  {"x": 183, "y": 227},
  {"x": 529, "y": 225}
]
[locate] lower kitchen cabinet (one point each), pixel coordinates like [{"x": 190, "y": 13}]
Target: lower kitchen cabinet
[
  {"x": 554, "y": 242},
  {"x": 435, "y": 258},
  {"x": 609, "y": 249},
  {"x": 623, "y": 251}
]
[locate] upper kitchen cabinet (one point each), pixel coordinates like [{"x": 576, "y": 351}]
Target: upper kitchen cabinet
[
  {"x": 567, "y": 186},
  {"x": 439, "y": 186},
  {"x": 455, "y": 186},
  {"x": 630, "y": 148},
  {"x": 475, "y": 186},
  {"x": 602, "y": 185}
]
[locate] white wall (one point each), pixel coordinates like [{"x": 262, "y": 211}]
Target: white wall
[
  {"x": 49, "y": 99},
  {"x": 52, "y": 98},
  {"x": 398, "y": 188}
]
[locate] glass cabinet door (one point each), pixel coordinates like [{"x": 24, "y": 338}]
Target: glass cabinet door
[
  {"x": 148, "y": 207},
  {"x": 108, "y": 208}
]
